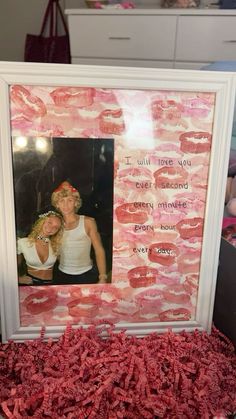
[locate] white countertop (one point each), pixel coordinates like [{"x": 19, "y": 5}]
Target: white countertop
[{"x": 141, "y": 10}]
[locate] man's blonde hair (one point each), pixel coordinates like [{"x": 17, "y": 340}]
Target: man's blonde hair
[{"x": 66, "y": 189}]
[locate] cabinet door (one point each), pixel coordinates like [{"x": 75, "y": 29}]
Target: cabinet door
[
  {"x": 189, "y": 65},
  {"x": 125, "y": 63},
  {"x": 206, "y": 38},
  {"x": 127, "y": 37}
]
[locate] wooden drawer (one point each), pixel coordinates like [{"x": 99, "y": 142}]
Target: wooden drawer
[
  {"x": 206, "y": 38},
  {"x": 127, "y": 37}
]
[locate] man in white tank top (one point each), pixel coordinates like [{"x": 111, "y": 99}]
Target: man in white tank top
[{"x": 80, "y": 234}]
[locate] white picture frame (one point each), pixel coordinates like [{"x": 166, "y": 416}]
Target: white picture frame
[{"x": 220, "y": 85}]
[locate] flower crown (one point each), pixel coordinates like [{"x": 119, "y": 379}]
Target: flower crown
[
  {"x": 46, "y": 214},
  {"x": 65, "y": 185}
]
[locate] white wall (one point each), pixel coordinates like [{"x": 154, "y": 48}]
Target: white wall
[{"x": 19, "y": 17}]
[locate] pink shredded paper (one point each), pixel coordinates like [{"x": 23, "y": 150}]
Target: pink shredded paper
[{"x": 83, "y": 375}]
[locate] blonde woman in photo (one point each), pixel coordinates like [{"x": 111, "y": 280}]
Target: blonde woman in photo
[{"x": 40, "y": 249}]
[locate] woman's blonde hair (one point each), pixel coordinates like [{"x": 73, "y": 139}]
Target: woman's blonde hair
[
  {"x": 55, "y": 240},
  {"x": 66, "y": 189}
]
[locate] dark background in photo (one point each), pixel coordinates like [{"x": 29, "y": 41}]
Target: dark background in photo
[{"x": 40, "y": 165}]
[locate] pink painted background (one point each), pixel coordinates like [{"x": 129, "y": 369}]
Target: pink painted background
[{"x": 160, "y": 137}]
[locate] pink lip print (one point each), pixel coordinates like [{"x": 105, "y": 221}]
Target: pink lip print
[
  {"x": 191, "y": 283},
  {"x": 169, "y": 175},
  {"x": 168, "y": 109},
  {"x": 176, "y": 294},
  {"x": 142, "y": 276},
  {"x": 163, "y": 253},
  {"x": 178, "y": 314},
  {"x": 131, "y": 176},
  {"x": 111, "y": 121},
  {"x": 73, "y": 96},
  {"x": 190, "y": 227},
  {"x": 41, "y": 301},
  {"x": 29, "y": 105},
  {"x": 195, "y": 142},
  {"x": 189, "y": 263},
  {"x": 198, "y": 108},
  {"x": 84, "y": 306},
  {"x": 129, "y": 213}
]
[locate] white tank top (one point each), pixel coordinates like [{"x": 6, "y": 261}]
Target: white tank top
[{"x": 75, "y": 250}]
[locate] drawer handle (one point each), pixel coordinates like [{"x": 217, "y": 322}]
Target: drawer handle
[
  {"x": 119, "y": 38},
  {"x": 230, "y": 41}
]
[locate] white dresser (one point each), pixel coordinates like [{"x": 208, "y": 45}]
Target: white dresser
[{"x": 167, "y": 38}]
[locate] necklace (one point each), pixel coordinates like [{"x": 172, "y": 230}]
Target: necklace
[
  {"x": 44, "y": 239},
  {"x": 71, "y": 224}
]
